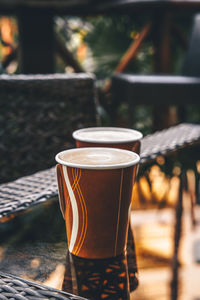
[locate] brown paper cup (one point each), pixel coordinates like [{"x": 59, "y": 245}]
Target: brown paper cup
[
  {"x": 95, "y": 197},
  {"x": 114, "y": 137}
]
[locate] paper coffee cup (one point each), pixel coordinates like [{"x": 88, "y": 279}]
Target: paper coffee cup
[{"x": 95, "y": 186}]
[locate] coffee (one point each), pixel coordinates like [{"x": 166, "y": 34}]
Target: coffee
[
  {"x": 97, "y": 158},
  {"x": 107, "y": 135}
]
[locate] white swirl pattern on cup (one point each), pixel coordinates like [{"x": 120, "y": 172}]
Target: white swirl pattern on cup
[{"x": 74, "y": 210}]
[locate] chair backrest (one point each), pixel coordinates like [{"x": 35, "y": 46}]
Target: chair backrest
[
  {"x": 37, "y": 116},
  {"x": 191, "y": 65}
]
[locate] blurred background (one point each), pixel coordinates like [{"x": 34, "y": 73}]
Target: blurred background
[{"x": 97, "y": 44}]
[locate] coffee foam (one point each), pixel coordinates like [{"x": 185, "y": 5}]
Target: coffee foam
[
  {"x": 97, "y": 158},
  {"x": 107, "y": 135}
]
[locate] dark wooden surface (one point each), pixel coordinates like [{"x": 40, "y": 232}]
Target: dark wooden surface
[
  {"x": 127, "y": 6},
  {"x": 63, "y": 7},
  {"x": 36, "y": 40}
]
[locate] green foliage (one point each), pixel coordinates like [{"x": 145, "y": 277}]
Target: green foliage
[{"x": 110, "y": 38}]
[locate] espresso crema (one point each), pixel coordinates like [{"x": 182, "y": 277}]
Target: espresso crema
[
  {"x": 107, "y": 135},
  {"x": 97, "y": 158}
]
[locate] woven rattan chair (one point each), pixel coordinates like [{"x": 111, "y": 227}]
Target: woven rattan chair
[
  {"x": 37, "y": 115},
  {"x": 13, "y": 287}
]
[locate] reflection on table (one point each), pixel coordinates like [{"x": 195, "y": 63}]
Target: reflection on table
[
  {"x": 110, "y": 278},
  {"x": 100, "y": 278}
]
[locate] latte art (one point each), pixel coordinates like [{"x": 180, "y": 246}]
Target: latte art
[{"x": 97, "y": 158}]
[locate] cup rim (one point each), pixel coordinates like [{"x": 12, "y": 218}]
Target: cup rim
[
  {"x": 76, "y": 136},
  {"x": 135, "y": 161}
]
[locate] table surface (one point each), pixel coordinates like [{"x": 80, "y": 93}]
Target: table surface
[{"x": 34, "y": 247}]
